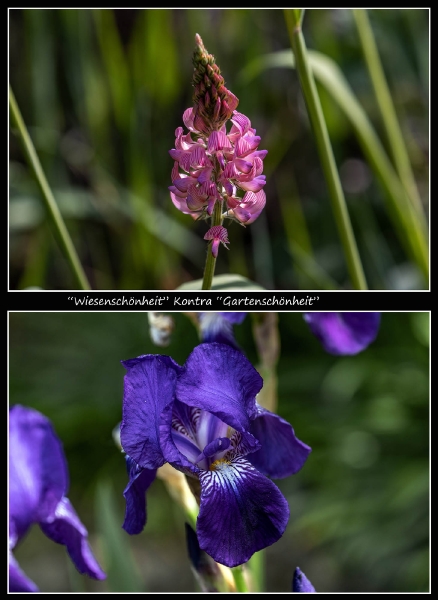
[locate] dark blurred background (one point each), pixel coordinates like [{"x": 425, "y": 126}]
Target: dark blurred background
[
  {"x": 359, "y": 507},
  {"x": 102, "y": 92}
]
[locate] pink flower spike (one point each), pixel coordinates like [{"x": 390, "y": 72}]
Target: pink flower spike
[
  {"x": 210, "y": 164},
  {"x": 219, "y": 235}
]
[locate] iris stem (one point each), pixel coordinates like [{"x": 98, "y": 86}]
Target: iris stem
[
  {"x": 325, "y": 150},
  {"x": 54, "y": 213},
  {"x": 210, "y": 262},
  {"x": 256, "y": 565},
  {"x": 239, "y": 579}
]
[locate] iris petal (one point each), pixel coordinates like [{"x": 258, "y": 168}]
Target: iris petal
[
  {"x": 282, "y": 453},
  {"x": 171, "y": 452},
  {"x": 186, "y": 446},
  {"x": 66, "y": 528},
  {"x": 344, "y": 333},
  {"x": 214, "y": 328},
  {"x": 134, "y": 494},
  {"x": 18, "y": 581},
  {"x": 220, "y": 380},
  {"x": 38, "y": 476},
  {"x": 241, "y": 512},
  {"x": 234, "y": 317},
  {"x": 209, "y": 428},
  {"x": 149, "y": 388},
  {"x": 218, "y": 326},
  {"x": 218, "y": 445},
  {"x": 242, "y": 443}
]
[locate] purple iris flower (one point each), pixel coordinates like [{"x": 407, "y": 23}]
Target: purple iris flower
[
  {"x": 218, "y": 326},
  {"x": 300, "y": 583},
  {"x": 204, "y": 420},
  {"x": 346, "y": 332},
  {"x": 38, "y": 482}
]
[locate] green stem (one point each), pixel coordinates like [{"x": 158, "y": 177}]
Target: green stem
[
  {"x": 239, "y": 579},
  {"x": 397, "y": 145},
  {"x": 316, "y": 116},
  {"x": 256, "y": 565},
  {"x": 52, "y": 208},
  {"x": 210, "y": 262}
]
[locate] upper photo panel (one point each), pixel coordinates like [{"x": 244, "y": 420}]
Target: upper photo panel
[{"x": 198, "y": 149}]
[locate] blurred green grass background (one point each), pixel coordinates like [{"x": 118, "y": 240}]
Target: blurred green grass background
[
  {"x": 359, "y": 507},
  {"x": 102, "y": 92}
]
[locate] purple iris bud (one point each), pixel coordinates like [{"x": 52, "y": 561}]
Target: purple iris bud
[
  {"x": 38, "y": 482},
  {"x": 203, "y": 419},
  {"x": 346, "y": 332},
  {"x": 218, "y": 326},
  {"x": 300, "y": 583},
  {"x": 206, "y": 571}
]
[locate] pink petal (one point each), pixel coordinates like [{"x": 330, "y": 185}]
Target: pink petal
[
  {"x": 253, "y": 203},
  {"x": 188, "y": 119},
  {"x": 241, "y": 121},
  {"x": 242, "y": 165},
  {"x": 246, "y": 145},
  {"x": 183, "y": 183},
  {"x": 253, "y": 186},
  {"x": 219, "y": 235},
  {"x": 205, "y": 174},
  {"x": 216, "y": 141}
]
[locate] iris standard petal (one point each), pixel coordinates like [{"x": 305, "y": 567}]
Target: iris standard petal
[
  {"x": 220, "y": 380},
  {"x": 149, "y": 388},
  {"x": 134, "y": 494},
  {"x": 282, "y": 453},
  {"x": 18, "y": 581},
  {"x": 186, "y": 446},
  {"x": 215, "y": 328},
  {"x": 300, "y": 583},
  {"x": 344, "y": 333},
  {"x": 38, "y": 476},
  {"x": 66, "y": 528},
  {"x": 236, "y": 318},
  {"x": 171, "y": 452},
  {"x": 218, "y": 326},
  {"x": 241, "y": 512}
]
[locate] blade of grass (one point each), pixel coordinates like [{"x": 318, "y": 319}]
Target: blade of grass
[
  {"x": 54, "y": 213},
  {"x": 412, "y": 234},
  {"x": 120, "y": 565},
  {"x": 309, "y": 272},
  {"x": 397, "y": 145},
  {"x": 325, "y": 150},
  {"x": 34, "y": 274}
]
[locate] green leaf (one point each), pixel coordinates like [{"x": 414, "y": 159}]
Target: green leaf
[
  {"x": 223, "y": 282},
  {"x": 120, "y": 567}
]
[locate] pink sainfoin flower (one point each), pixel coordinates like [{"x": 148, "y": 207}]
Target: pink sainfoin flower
[
  {"x": 216, "y": 174},
  {"x": 218, "y": 234}
]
